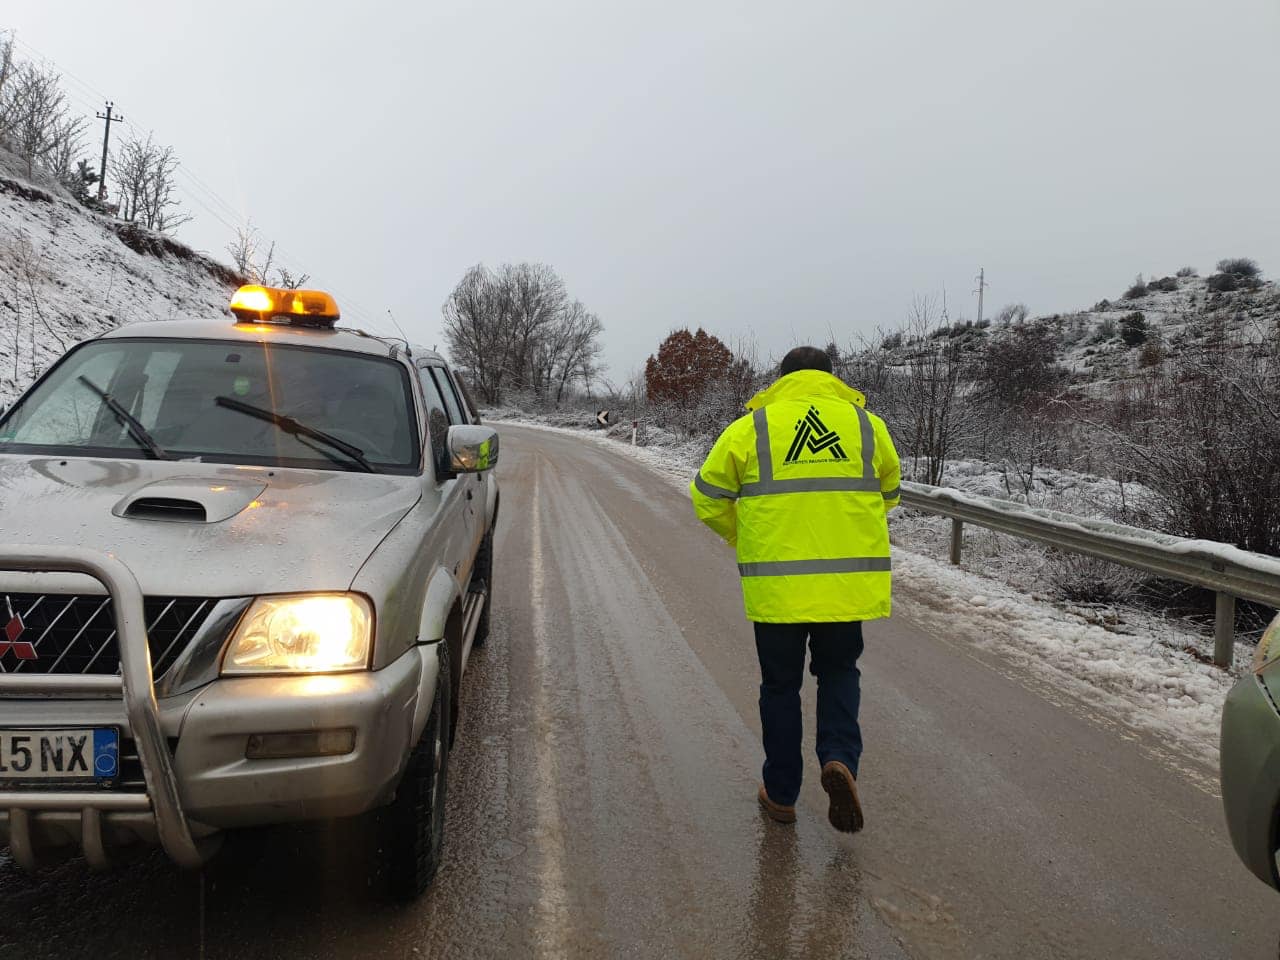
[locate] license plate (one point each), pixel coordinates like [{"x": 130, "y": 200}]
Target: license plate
[{"x": 59, "y": 755}]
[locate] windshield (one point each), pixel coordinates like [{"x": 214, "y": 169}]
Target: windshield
[{"x": 143, "y": 398}]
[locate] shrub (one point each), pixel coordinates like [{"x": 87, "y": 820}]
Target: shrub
[
  {"x": 1084, "y": 579},
  {"x": 1133, "y": 329},
  {"x": 1186, "y": 271},
  {"x": 1012, "y": 314},
  {"x": 1106, "y": 330},
  {"x": 1240, "y": 267},
  {"x": 891, "y": 342},
  {"x": 685, "y": 365},
  {"x": 1168, "y": 284},
  {"x": 1139, "y": 289},
  {"x": 1151, "y": 354},
  {"x": 1017, "y": 365},
  {"x": 1223, "y": 283}
]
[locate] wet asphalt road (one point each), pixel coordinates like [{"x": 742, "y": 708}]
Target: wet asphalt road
[{"x": 602, "y": 794}]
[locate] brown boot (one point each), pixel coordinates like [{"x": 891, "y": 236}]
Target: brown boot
[
  {"x": 776, "y": 811},
  {"x": 845, "y": 812}
]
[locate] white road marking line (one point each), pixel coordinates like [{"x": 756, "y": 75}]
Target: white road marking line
[{"x": 551, "y": 930}]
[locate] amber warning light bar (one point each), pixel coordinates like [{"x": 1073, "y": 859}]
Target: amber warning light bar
[{"x": 307, "y": 308}]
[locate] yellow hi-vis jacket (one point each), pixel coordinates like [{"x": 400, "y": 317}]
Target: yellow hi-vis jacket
[{"x": 802, "y": 485}]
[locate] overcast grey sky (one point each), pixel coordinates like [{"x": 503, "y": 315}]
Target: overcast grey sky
[{"x": 776, "y": 169}]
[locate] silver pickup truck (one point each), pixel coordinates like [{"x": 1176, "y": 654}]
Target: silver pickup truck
[{"x": 242, "y": 566}]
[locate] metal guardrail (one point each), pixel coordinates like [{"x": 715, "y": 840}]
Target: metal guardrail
[
  {"x": 141, "y": 714},
  {"x": 1228, "y": 571}
]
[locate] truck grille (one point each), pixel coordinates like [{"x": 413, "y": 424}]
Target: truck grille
[{"x": 77, "y": 634}]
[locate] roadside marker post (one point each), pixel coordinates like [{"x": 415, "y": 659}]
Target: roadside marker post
[{"x": 635, "y": 427}]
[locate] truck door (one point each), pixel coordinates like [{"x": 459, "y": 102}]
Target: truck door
[{"x": 469, "y": 494}]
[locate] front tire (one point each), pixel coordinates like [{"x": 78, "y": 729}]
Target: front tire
[{"x": 412, "y": 834}]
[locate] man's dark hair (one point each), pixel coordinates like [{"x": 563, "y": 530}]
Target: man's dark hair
[{"x": 806, "y": 358}]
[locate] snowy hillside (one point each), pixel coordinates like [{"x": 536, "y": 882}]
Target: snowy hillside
[
  {"x": 1121, "y": 340},
  {"x": 1172, "y": 319},
  {"x": 67, "y": 274}
]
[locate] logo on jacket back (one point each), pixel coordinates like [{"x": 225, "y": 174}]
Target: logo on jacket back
[{"x": 814, "y": 436}]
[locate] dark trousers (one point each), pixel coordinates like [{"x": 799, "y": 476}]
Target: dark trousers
[{"x": 834, "y": 650}]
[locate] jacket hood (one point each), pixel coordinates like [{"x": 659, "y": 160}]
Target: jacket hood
[
  {"x": 806, "y": 383},
  {"x": 206, "y": 530}
]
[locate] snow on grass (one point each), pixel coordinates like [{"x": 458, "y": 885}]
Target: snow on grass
[
  {"x": 66, "y": 276},
  {"x": 1146, "y": 671}
]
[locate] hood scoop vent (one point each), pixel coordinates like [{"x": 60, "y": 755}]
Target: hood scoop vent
[
  {"x": 166, "y": 508},
  {"x": 183, "y": 500}
]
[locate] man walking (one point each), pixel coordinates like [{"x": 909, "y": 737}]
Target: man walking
[{"x": 801, "y": 485}]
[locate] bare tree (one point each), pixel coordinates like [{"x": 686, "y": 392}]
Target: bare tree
[
  {"x": 574, "y": 348},
  {"x": 244, "y": 255},
  {"x": 477, "y": 330},
  {"x": 1011, "y": 314},
  {"x": 934, "y": 402},
  {"x": 868, "y": 365},
  {"x": 130, "y": 169},
  {"x": 517, "y": 329},
  {"x": 537, "y": 299},
  {"x": 159, "y": 205},
  {"x": 36, "y": 120},
  {"x": 289, "y": 280},
  {"x": 6, "y": 67},
  {"x": 244, "y": 250},
  {"x": 1204, "y": 434},
  {"x": 144, "y": 173}
]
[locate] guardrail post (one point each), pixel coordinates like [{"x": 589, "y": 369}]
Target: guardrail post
[
  {"x": 1224, "y": 632},
  {"x": 957, "y": 539}
]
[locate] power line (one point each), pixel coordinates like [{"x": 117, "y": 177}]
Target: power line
[{"x": 208, "y": 190}]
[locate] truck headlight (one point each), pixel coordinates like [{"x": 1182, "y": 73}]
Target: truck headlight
[{"x": 303, "y": 633}]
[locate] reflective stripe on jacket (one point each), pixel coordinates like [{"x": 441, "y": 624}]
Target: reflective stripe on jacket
[{"x": 801, "y": 485}]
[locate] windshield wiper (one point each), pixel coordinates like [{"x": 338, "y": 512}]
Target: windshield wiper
[
  {"x": 297, "y": 429},
  {"x": 131, "y": 424}
]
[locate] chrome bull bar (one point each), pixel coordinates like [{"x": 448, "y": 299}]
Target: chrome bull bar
[{"x": 135, "y": 686}]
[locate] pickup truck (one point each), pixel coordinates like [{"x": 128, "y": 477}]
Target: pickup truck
[{"x": 243, "y": 564}]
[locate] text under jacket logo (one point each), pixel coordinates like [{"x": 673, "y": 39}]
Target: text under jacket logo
[{"x": 812, "y": 435}]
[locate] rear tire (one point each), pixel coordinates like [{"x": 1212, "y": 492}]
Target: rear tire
[
  {"x": 484, "y": 570},
  {"x": 411, "y": 838}
]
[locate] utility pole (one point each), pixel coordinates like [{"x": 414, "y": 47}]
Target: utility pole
[
  {"x": 982, "y": 286},
  {"x": 106, "y": 139}
]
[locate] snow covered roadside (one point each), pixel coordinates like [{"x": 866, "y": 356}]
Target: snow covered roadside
[
  {"x": 1132, "y": 668},
  {"x": 1127, "y": 666}
]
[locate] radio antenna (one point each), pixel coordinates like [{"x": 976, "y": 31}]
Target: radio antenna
[{"x": 398, "y": 327}]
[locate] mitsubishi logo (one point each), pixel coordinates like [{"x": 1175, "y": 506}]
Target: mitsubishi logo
[
  {"x": 812, "y": 435},
  {"x": 13, "y": 630}
]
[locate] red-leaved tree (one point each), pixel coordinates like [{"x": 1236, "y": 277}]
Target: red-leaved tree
[{"x": 685, "y": 365}]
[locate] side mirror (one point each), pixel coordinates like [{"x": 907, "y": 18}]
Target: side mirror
[{"x": 472, "y": 449}]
